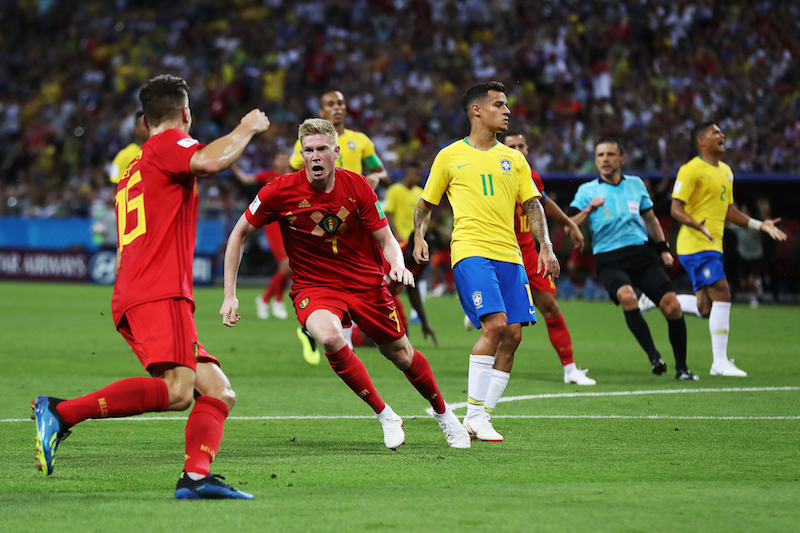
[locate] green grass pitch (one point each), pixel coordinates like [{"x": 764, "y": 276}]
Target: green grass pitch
[{"x": 637, "y": 452}]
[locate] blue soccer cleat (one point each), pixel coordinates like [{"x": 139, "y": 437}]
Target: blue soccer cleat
[
  {"x": 50, "y": 431},
  {"x": 210, "y": 487}
]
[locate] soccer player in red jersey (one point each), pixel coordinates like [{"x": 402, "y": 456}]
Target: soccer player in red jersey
[
  {"x": 543, "y": 289},
  {"x": 152, "y": 304},
  {"x": 335, "y": 231},
  {"x": 273, "y": 294}
]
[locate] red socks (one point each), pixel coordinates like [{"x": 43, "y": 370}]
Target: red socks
[
  {"x": 421, "y": 376},
  {"x": 559, "y": 337},
  {"x": 204, "y": 433},
  {"x": 276, "y": 287},
  {"x": 353, "y": 372},
  {"x": 127, "y": 397}
]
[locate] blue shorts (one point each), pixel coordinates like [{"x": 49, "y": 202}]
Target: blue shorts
[
  {"x": 705, "y": 268},
  {"x": 486, "y": 286}
]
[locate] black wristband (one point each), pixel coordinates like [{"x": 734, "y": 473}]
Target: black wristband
[{"x": 662, "y": 246}]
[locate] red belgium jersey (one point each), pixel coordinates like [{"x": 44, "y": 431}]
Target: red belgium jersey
[
  {"x": 156, "y": 207},
  {"x": 328, "y": 236},
  {"x": 521, "y": 225}
]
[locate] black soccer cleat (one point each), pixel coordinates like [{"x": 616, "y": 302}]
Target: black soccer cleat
[
  {"x": 659, "y": 366},
  {"x": 210, "y": 487},
  {"x": 686, "y": 375}
]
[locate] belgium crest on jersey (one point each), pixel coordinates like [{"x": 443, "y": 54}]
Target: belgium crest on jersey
[{"x": 330, "y": 223}]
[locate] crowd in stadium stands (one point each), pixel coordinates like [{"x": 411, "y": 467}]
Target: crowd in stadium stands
[{"x": 574, "y": 69}]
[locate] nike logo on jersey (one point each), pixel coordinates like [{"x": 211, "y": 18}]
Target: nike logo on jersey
[{"x": 462, "y": 166}]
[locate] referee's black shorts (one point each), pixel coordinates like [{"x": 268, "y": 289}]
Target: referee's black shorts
[{"x": 638, "y": 266}]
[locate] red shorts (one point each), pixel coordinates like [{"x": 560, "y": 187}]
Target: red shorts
[
  {"x": 374, "y": 311},
  {"x": 530, "y": 256},
  {"x": 275, "y": 240},
  {"x": 163, "y": 331}
]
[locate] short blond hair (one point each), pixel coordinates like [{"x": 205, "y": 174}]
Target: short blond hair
[{"x": 313, "y": 126}]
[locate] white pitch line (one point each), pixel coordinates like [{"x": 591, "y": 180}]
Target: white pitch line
[{"x": 460, "y": 405}]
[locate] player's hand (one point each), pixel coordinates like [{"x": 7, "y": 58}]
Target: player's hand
[
  {"x": 229, "y": 311},
  {"x": 428, "y": 332},
  {"x": 256, "y": 120},
  {"x": 574, "y": 233},
  {"x": 596, "y": 202},
  {"x": 704, "y": 230},
  {"x": 548, "y": 265},
  {"x": 768, "y": 227},
  {"x": 401, "y": 274},
  {"x": 421, "y": 253},
  {"x": 667, "y": 258}
]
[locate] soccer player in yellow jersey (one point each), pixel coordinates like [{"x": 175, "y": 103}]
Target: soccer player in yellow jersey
[
  {"x": 127, "y": 154},
  {"x": 401, "y": 201},
  {"x": 702, "y": 200},
  {"x": 357, "y": 151},
  {"x": 483, "y": 180}
]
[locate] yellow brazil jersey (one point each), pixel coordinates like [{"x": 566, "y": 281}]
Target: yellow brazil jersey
[
  {"x": 707, "y": 192},
  {"x": 401, "y": 203},
  {"x": 356, "y": 151},
  {"x": 483, "y": 188},
  {"x": 121, "y": 162}
]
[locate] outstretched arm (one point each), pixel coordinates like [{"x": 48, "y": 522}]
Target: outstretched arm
[
  {"x": 548, "y": 262},
  {"x": 422, "y": 218},
  {"x": 233, "y": 256},
  {"x": 554, "y": 213},
  {"x": 767, "y": 226}
]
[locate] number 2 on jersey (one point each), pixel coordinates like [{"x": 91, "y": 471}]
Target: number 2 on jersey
[{"x": 125, "y": 206}]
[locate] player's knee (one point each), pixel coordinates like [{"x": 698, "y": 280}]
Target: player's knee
[
  {"x": 180, "y": 399},
  {"x": 228, "y": 397},
  {"x": 670, "y": 307},
  {"x": 627, "y": 297}
]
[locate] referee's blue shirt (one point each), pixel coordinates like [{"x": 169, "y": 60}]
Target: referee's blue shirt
[{"x": 617, "y": 223}]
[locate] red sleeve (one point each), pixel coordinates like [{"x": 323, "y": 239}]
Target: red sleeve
[
  {"x": 266, "y": 176},
  {"x": 537, "y": 180},
  {"x": 174, "y": 150},
  {"x": 262, "y": 210}
]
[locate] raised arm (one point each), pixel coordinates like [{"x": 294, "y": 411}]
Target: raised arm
[
  {"x": 222, "y": 153},
  {"x": 548, "y": 262},
  {"x": 594, "y": 203},
  {"x": 422, "y": 218},
  {"x": 233, "y": 256}
]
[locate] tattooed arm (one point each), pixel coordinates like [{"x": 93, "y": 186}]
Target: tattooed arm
[
  {"x": 548, "y": 262},
  {"x": 422, "y": 217}
]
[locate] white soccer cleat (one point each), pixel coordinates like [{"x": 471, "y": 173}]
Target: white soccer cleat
[
  {"x": 727, "y": 369},
  {"x": 457, "y": 436},
  {"x": 468, "y": 323},
  {"x": 262, "y": 308},
  {"x": 278, "y": 309},
  {"x": 645, "y": 304},
  {"x": 393, "y": 434},
  {"x": 577, "y": 375},
  {"x": 480, "y": 428}
]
